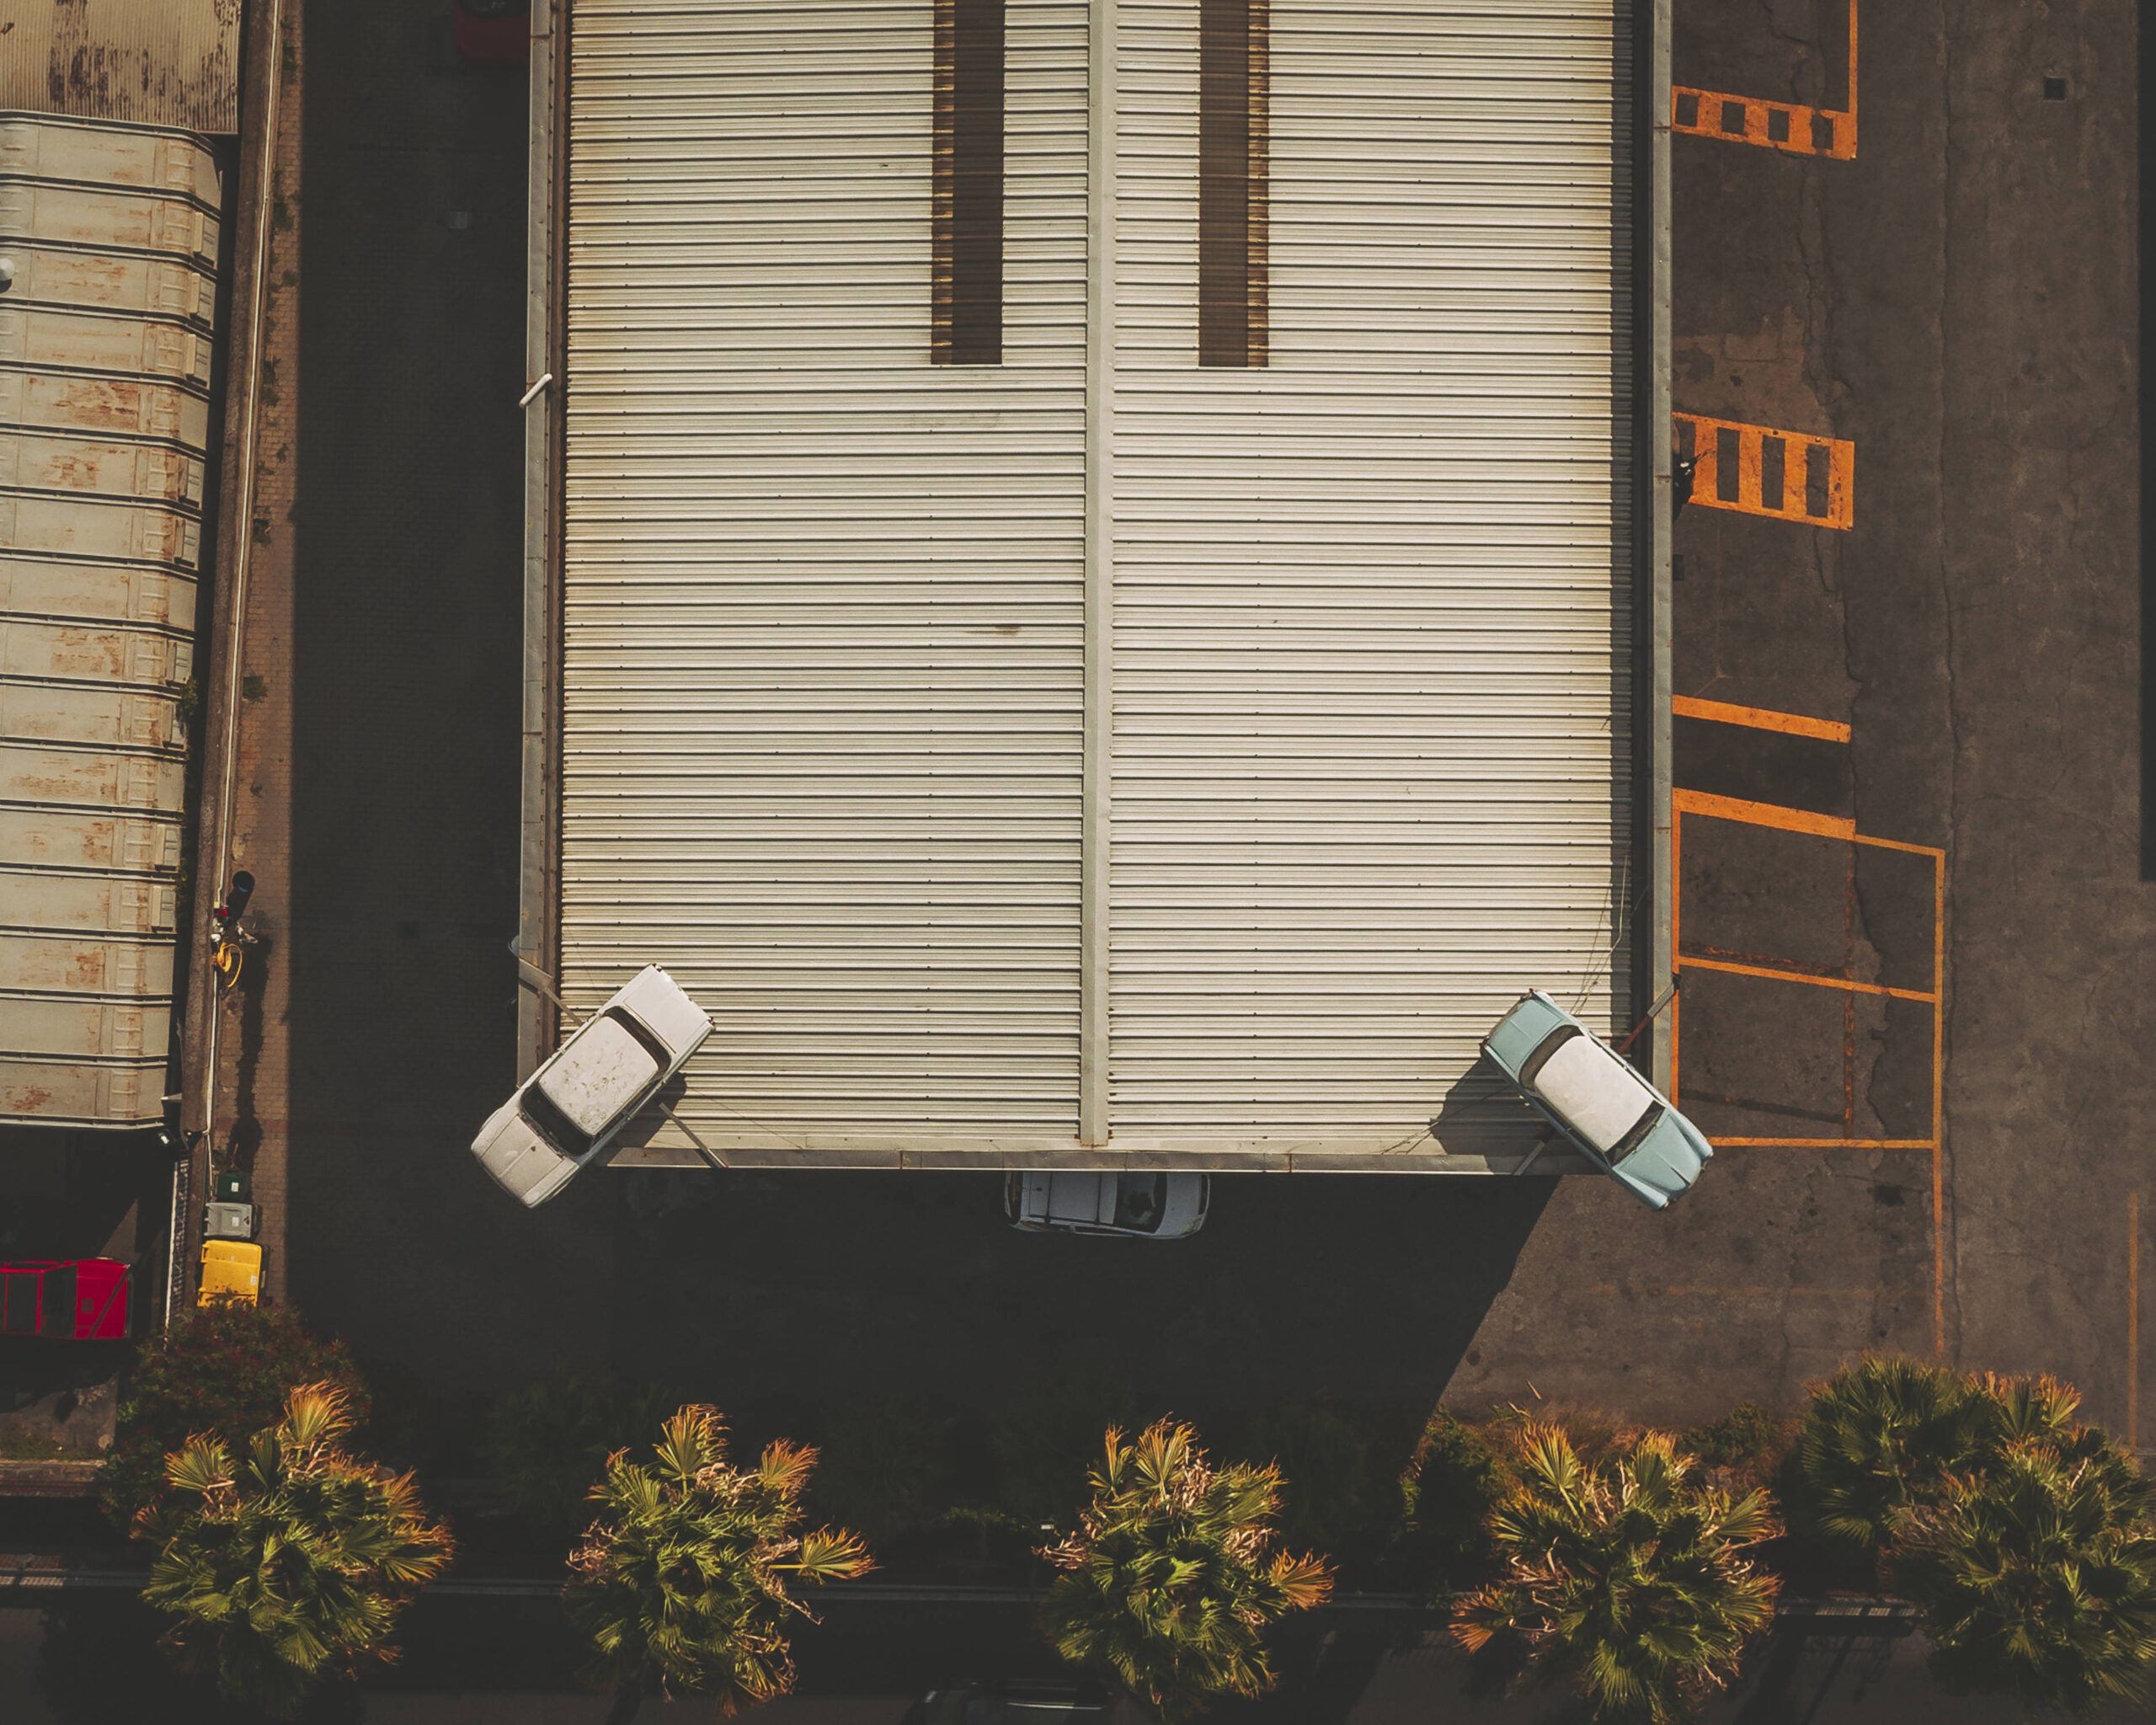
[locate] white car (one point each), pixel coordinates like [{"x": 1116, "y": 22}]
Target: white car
[
  {"x": 1584, "y": 1088},
  {"x": 1142, "y": 1205},
  {"x": 592, "y": 1086}
]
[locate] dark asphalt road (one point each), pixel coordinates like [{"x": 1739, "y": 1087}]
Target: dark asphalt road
[
  {"x": 1956, "y": 301},
  {"x": 1959, "y": 302}
]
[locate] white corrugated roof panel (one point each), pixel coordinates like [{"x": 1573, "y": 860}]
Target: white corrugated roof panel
[{"x": 1352, "y": 625}]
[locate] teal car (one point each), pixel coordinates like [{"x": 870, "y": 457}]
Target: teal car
[{"x": 1585, "y": 1089}]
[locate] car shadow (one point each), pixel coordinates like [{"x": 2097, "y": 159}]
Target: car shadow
[{"x": 1484, "y": 1115}]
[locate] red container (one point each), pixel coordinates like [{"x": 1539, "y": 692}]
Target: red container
[{"x": 68, "y": 1299}]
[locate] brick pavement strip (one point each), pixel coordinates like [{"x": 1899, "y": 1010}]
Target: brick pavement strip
[
  {"x": 236, "y": 1065},
  {"x": 49, "y": 1479}
]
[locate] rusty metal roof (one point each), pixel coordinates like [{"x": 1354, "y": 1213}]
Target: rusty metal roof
[
  {"x": 109, "y": 230},
  {"x": 156, "y": 62}
]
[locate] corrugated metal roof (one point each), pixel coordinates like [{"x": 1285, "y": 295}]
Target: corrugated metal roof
[
  {"x": 155, "y": 62},
  {"x": 1356, "y": 623},
  {"x": 104, "y": 365}
]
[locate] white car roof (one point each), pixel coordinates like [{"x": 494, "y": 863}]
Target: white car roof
[
  {"x": 1599, "y": 1095},
  {"x": 1087, "y": 1199},
  {"x": 598, "y": 1074}
]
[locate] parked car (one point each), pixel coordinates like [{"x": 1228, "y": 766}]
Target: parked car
[
  {"x": 1016, "y": 1701},
  {"x": 231, "y": 1269},
  {"x": 494, "y": 32},
  {"x": 568, "y": 1111},
  {"x": 65, "y": 1299},
  {"x": 1586, "y": 1089},
  {"x": 1138, "y": 1205}
]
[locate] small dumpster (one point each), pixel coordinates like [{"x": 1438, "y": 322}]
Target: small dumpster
[
  {"x": 231, "y": 1269},
  {"x": 68, "y": 1299}
]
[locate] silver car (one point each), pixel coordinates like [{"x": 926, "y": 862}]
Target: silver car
[
  {"x": 1137, "y": 1205},
  {"x": 1585, "y": 1089},
  {"x": 566, "y": 1112}
]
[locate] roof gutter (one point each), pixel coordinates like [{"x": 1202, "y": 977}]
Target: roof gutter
[
  {"x": 1657, "y": 963},
  {"x": 545, "y": 370}
]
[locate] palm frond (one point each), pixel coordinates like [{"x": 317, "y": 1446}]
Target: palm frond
[
  {"x": 1622, "y": 1573},
  {"x": 831, "y": 1554},
  {"x": 203, "y": 1465},
  {"x": 682, "y": 1575},
  {"x": 1169, "y": 1584},
  {"x": 292, "y": 1571}
]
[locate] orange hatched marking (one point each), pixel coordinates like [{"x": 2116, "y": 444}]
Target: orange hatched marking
[
  {"x": 1708, "y": 117},
  {"x": 1790, "y": 504},
  {"x": 1758, "y": 717}
]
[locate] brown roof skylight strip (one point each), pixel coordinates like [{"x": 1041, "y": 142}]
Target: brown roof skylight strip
[
  {"x": 1233, "y": 85},
  {"x": 966, "y": 324}
]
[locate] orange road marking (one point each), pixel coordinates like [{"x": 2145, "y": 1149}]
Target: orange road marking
[
  {"x": 1799, "y": 136},
  {"x": 1832, "y": 826},
  {"x": 1939, "y": 1102},
  {"x": 1683, "y": 803},
  {"x": 1791, "y": 503},
  {"x": 1844, "y": 982},
  {"x": 1759, "y": 719},
  {"x": 2132, "y": 1320},
  {"x": 1667, "y": 1289},
  {"x": 1722, "y": 1143},
  {"x": 1676, "y": 938}
]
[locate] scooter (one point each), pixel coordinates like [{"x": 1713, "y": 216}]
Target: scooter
[{"x": 230, "y": 941}]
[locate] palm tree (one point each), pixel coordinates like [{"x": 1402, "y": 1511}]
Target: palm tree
[
  {"x": 1622, "y": 1574},
  {"x": 1169, "y": 1581},
  {"x": 683, "y": 1576},
  {"x": 2034, "y": 1572},
  {"x": 291, "y": 1568},
  {"x": 1882, "y": 1436},
  {"x": 2036, "y": 1579}
]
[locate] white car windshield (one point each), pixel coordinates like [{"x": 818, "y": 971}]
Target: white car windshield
[{"x": 1599, "y": 1095}]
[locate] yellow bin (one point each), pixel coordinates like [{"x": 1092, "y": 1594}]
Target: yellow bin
[{"x": 230, "y": 1268}]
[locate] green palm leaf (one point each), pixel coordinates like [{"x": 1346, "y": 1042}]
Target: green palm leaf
[
  {"x": 292, "y": 1572},
  {"x": 2037, "y": 1577},
  {"x": 1621, "y": 1575},
  {"x": 1170, "y": 1581},
  {"x": 681, "y": 1579},
  {"x": 1882, "y": 1437}
]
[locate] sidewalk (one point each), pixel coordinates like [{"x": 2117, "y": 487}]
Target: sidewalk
[{"x": 237, "y": 1067}]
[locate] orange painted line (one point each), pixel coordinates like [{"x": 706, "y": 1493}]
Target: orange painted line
[
  {"x": 1841, "y": 982},
  {"x": 2132, "y": 1321},
  {"x": 1790, "y": 502},
  {"x": 1821, "y": 1143},
  {"x": 1710, "y": 117},
  {"x": 1676, "y": 1007},
  {"x": 1759, "y": 719},
  {"x": 1932, "y": 851},
  {"x": 1682, "y": 801},
  {"x": 1670, "y": 1289},
  {"x": 1832, "y": 826},
  {"x": 1939, "y": 1103}
]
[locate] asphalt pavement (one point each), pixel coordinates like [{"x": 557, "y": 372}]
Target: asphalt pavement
[{"x": 1955, "y": 300}]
